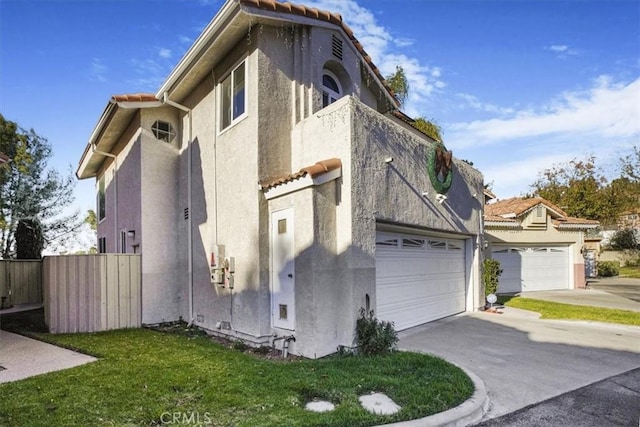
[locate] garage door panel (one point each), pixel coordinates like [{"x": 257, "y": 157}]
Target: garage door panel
[
  {"x": 415, "y": 285},
  {"x": 533, "y": 268}
]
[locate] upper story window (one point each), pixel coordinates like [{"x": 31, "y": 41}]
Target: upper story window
[
  {"x": 101, "y": 200},
  {"x": 163, "y": 131},
  {"x": 233, "y": 98},
  {"x": 331, "y": 90}
]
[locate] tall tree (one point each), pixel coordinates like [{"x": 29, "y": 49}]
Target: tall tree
[
  {"x": 400, "y": 85},
  {"x": 631, "y": 165},
  {"x": 29, "y": 241},
  {"x": 580, "y": 188},
  {"x": 29, "y": 190}
]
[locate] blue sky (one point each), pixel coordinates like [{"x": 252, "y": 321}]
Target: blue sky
[{"x": 516, "y": 85}]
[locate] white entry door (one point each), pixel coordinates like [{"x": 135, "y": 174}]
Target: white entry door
[{"x": 282, "y": 270}]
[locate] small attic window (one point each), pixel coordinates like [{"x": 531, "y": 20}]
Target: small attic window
[{"x": 163, "y": 131}]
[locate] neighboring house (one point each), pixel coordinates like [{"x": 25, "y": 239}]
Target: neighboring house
[
  {"x": 538, "y": 245},
  {"x": 273, "y": 189},
  {"x": 629, "y": 219}
]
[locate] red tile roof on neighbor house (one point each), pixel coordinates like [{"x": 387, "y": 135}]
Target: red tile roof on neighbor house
[
  {"x": 320, "y": 168},
  {"x": 135, "y": 97},
  {"x": 3, "y": 158},
  {"x": 322, "y": 15},
  {"x": 507, "y": 211}
]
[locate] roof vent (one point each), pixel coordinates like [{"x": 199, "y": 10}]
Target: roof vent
[{"x": 336, "y": 46}]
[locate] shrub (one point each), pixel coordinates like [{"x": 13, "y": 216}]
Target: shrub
[
  {"x": 490, "y": 275},
  {"x": 374, "y": 336},
  {"x": 608, "y": 268},
  {"x": 625, "y": 239}
]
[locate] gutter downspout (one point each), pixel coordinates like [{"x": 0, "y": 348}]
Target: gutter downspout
[
  {"x": 167, "y": 101},
  {"x": 115, "y": 180}
]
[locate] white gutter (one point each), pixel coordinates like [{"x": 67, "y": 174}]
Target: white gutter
[{"x": 167, "y": 101}]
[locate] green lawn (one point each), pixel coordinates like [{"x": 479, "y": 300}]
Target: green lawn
[
  {"x": 146, "y": 377},
  {"x": 554, "y": 310},
  {"x": 633, "y": 272}
]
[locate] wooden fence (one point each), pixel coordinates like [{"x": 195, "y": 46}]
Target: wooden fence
[
  {"x": 21, "y": 281},
  {"x": 88, "y": 293}
]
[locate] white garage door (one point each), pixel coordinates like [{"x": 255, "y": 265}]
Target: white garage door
[
  {"x": 418, "y": 278},
  {"x": 532, "y": 268}
]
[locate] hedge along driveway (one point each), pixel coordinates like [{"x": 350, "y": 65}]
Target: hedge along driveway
[{"x": 146, "y": 377}]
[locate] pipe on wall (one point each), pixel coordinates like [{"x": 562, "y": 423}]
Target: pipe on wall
[{"x": 167, "y": 101}]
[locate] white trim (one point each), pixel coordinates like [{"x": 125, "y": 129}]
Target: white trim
[
  {"x": 218, "y": 89},
  {"x": 502, "y": 224},
  {"x": 577, "y": 226},
  {"x": 301, "y": 183}
]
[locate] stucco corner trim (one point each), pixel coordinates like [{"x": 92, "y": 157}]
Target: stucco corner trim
[{"x": 299, "y": 184}]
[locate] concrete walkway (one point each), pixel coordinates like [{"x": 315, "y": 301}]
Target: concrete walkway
[
  {"x": 523, "y": 360},
  {"x": 23, "y": 357}
]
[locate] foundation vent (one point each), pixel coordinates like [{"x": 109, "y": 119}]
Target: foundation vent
[
  {"x": 186, "y": 213},
  {"x": 336, "y": 46}
]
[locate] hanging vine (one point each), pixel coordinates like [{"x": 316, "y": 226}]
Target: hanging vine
[{"x": 439, "y": 167}]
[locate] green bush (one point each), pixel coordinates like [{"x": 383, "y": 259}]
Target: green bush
[
  {"x": 625, "y": 239},
  {"x": 374, "y": 336},
  {"x": 608, "y": 268},
  {"x": 490, "y": 275}
]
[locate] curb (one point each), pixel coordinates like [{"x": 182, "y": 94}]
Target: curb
[{"x": 469, "y": 412}]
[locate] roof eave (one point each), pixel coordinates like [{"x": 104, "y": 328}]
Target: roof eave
[
  {"x": 502, "y": 224},
  {"x": 105, "y": 118},
  {"x": 214, "y": 27}
]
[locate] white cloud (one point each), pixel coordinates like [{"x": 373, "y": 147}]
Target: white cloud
[
  {"x": 164, "y": 53},
  {"x": 513, "y": 178},
  {"x": 475, "y": 103},
  {"x": 562, "y": 50},
  {"x": 607, "y": 110},
  {"x": 98, "y": 71}
]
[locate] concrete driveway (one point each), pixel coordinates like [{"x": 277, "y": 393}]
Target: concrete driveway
[{"x": 524, "y": 360}]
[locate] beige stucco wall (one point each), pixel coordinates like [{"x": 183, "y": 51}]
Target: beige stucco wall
[
  {"x": 284, "y": 130},
  {"x": 369, "y": 195}
]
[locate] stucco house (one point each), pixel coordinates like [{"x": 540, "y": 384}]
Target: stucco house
[
  {"x": 273, "y": 188},
  {"x": 538, "y": 245}
]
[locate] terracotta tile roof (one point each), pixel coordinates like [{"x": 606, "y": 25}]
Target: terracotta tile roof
[
  {"x": 136, "y": 97},
  {"x": 508, "y": 210},
  {"x": 497, "y": 218},
  {"x": 575, "y": 221},
  {"x": 314, "y": 171},
  {"x": 3, "y": 158},
  {"x": 322, "y": 15},
  {"x": 517, "y": 206}
]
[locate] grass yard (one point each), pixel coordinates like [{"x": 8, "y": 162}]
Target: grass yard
[
  {"x": 145, "y": 378},
  {"x": 633, "y": 272},
  {"x": 555, "y": 310}
]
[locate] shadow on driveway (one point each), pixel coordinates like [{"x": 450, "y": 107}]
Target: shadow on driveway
[{"x": 524, "y": 360}]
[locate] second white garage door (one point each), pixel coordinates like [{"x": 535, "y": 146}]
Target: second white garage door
[
  {"x": 418, "y": 278},
  {"x": 532, "y": 268}
]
